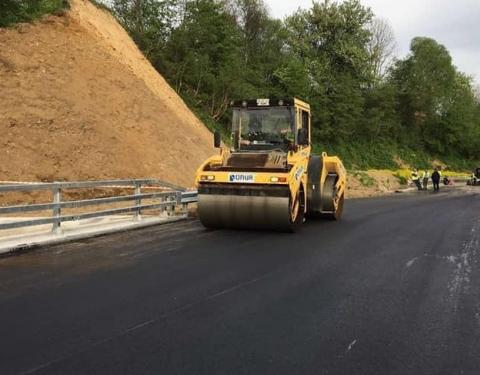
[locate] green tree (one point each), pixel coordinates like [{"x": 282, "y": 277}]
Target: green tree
[
  {"x": 329, "y": 48},
  {"x": 460, "y": 123},
  {"x": 13, "y": 11},
  {"x": 9, "y": 12},
  {"x": 425, "y": 80},
  {"x": 204, "y": 57},
  {"x": 149, "y": 22},
  {"x": 381, "y": 121},
  {"x": 381, "y": 49},
  {"x": 262, "y": 42}
]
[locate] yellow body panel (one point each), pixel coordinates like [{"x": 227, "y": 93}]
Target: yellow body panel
[
  {"x": 294, "y": 179},
  {"x": 332, "y": 164}
]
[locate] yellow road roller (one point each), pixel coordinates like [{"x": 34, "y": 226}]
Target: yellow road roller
[{"x": 269, "y": 179}]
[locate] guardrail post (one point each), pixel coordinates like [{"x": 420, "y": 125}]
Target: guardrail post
[
  {"x": 168, "y": 208},
  {"x": 163, "y": 209},
  {"x": 138, "y": 202},
  {"x": 176, "y": 201},
  {"x": 57, "y": 210},
  {"x": 184, "y": 209}
]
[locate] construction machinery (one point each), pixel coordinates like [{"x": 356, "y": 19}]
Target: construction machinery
[
  {"x": 269, "y": 179},
  {"x": 475, "y": 179}
]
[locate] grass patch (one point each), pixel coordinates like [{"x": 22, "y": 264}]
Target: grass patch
[
  {"x": 359, "y": 155},
  {"x": 16, "y": 11},
  {"x": 402, "y": 175},
  {"x": 364, "y": 178}
]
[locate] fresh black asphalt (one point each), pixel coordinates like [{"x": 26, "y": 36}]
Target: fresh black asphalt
[{"x": 393, "y": 288}]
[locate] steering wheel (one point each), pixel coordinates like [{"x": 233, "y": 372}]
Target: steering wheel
[{"x": 255, "y": 136}]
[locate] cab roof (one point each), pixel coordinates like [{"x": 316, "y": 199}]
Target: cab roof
[{"x": 269, "y": 102}]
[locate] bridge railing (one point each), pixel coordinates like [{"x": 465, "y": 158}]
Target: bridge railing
[{"x": 169, "y": 199}]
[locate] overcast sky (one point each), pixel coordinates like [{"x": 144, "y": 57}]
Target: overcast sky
[{"x": 455, "y": 24}]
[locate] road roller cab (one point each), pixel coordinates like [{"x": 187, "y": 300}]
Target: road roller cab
[{"x": 268, "y": 178}]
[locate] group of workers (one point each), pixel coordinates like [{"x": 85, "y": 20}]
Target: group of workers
[{"x": 421, "y": 180}]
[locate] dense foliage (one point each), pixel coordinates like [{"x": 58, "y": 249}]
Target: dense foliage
[
  {"x": 368, "y": 107},
  {"x": 14, "y": 11}
]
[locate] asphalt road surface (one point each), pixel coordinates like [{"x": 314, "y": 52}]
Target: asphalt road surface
[{"x": 394, "y": 288}]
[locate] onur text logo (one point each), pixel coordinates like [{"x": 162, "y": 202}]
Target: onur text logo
[{"x": 242, "y": 177}]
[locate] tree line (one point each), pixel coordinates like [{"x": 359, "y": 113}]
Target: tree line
[
  {"x": 368, "y": 106},
  {"x": 15, "y": 11}
]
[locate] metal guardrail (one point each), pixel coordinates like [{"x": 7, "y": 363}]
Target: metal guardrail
[{"x": 168, "y": 201}]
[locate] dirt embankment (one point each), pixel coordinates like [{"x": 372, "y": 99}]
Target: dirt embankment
[
  {"x": 364, "y": 184},
  {"x": 79, "y": 101}
]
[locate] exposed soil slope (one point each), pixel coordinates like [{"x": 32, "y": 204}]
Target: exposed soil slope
[
  {"x": 381, "y": 182},
  {"x": 79, "y": 101}
]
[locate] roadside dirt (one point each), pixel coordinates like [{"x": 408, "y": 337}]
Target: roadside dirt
[
  {"x": 371, "y": 183},
  {"x": 79, "y": 101}
]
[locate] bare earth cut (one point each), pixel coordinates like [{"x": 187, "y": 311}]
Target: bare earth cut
[
  {"x": 371, "y": 183},
  {"x": 79, "y": 101}
]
